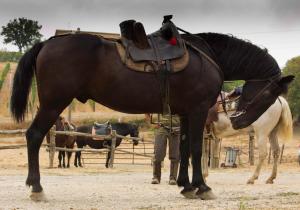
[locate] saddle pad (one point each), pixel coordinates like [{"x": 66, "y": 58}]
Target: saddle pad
[
  {"x": 177, "y": 64},
  {"x": 165, "y": 50}
]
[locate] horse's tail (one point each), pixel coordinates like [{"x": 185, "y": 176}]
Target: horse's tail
[
  {"x": 22, "y": 82},
  {"x": 285, "y": 124}
]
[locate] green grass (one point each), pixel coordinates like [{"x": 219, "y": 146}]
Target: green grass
[{"x": 4, "y": 74}]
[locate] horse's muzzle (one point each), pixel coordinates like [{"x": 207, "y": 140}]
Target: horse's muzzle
[{"x": 238, "y": 120}]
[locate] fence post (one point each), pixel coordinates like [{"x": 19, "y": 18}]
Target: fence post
[
  {"x": 52, "y": 146},
  {"x": 251, "y": 148},
  {"x": 205, "y": 151},
  {"x": 215, "y": 152},
  {"x": 112, "y": 148}
]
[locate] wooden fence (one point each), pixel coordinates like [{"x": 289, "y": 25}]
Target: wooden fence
[{"x": 51, "y": 148}]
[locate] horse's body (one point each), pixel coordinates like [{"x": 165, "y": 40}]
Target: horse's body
[
  {"x": 63, "y": 140},
  {"x": 275, "y": 122},
  {"x": 122, "y": 129},
  {"x": 86, "y": 67}
]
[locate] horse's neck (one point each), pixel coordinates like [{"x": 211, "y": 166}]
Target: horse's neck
[
  {"x": 240, "y": 60},
  {"x": 121, "y": 129}
]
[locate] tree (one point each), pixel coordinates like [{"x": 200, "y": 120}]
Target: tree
[
  {"x": 21, "y": 32},
  {"x": 293, "y": 96}
]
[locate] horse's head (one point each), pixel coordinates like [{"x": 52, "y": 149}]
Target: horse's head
[
  {"x": 257, "y": 97},
  {"x": 63, "y": 125},
  {"x": 134, "y": 132},
  {"x": 60, "y": 123}
]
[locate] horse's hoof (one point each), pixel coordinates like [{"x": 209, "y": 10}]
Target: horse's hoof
[
  {"x": 208, "y": 195},
  {"x": 190, "y": 194},
  {"x": 269, "y": 181},
  {"x": 250, "y": 181},
  {"x": 38, "y": 196}
]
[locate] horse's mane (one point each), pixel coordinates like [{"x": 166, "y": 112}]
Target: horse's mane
[{"x": 238, "y": 56}]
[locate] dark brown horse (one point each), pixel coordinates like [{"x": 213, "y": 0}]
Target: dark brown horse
[
  {"x": 86, "y": 67},
  {"x": 63, "y": 141},
  {"x": 122, "y": 129}
]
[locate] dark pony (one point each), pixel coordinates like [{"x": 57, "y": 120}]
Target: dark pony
[
  {"x": 85, "y": 66},
  {"x": 63, "y": 141},
  {"x": 122, "y": 129}
]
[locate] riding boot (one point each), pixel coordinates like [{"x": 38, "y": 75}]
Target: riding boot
[
  {"x": 156, "y": 172},
  {"x": 173, "y": 173}
]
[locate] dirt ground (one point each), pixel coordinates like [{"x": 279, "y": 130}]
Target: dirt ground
[{"x": 128, "y": 186}]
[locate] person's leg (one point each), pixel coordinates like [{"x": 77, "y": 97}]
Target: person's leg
[
  {"x": 174, "y": 157},
  {"x": 160, "y": 146}
]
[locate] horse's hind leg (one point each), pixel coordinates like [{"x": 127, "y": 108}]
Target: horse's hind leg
[
  {"x": 41, "y": 124},
  {"x": 262, "y": 147},
  {"x": 275, "y": 148}
]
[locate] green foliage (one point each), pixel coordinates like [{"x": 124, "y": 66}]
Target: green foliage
[
  {"x": 4, "y": 74},
  {"x": 6, "y": 56},
  {"x": 21, "y": 32},
  {"x": 230, "y": 85},
  {"x": 293, "y": 68}
]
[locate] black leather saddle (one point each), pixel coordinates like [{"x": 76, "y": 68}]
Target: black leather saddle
[{"x": 164, "y": 44}]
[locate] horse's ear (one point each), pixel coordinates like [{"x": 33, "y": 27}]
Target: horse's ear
[{"x": 284, "y": 82}]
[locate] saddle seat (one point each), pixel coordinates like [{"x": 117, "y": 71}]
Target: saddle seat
[{"x": 101, "y": 129}]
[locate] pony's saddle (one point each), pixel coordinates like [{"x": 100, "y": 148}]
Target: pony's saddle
[
  {"x": 155, "y": 49},
  {"x": 231, "y": 101},
  {"x": 101, "y": 129}
]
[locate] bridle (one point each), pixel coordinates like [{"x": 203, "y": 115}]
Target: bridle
[{"x": 270, "y": 81}]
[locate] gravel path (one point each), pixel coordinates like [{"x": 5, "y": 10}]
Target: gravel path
[{"x": 131, "y": 190}]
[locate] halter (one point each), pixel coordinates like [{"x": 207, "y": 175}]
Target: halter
[{"x": 270, "y": 81}]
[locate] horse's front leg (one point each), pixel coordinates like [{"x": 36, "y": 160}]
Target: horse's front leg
[
  {"x": 63, "y": 158},
  {"x": 69, "y": 154},
  {"x": 263, "y": 152},
  {"x": 59, "y": 159},
  {"x": 183, "y": 177},
  {"x": 196, "y": 128}
]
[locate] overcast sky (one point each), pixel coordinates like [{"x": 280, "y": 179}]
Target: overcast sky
[{"x": 274, "y": 24}]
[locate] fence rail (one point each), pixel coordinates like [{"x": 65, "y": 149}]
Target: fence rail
[{"x": 51, "y": 148}]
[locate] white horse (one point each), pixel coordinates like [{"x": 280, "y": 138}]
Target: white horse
[{"x": 273, "y": 123}]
